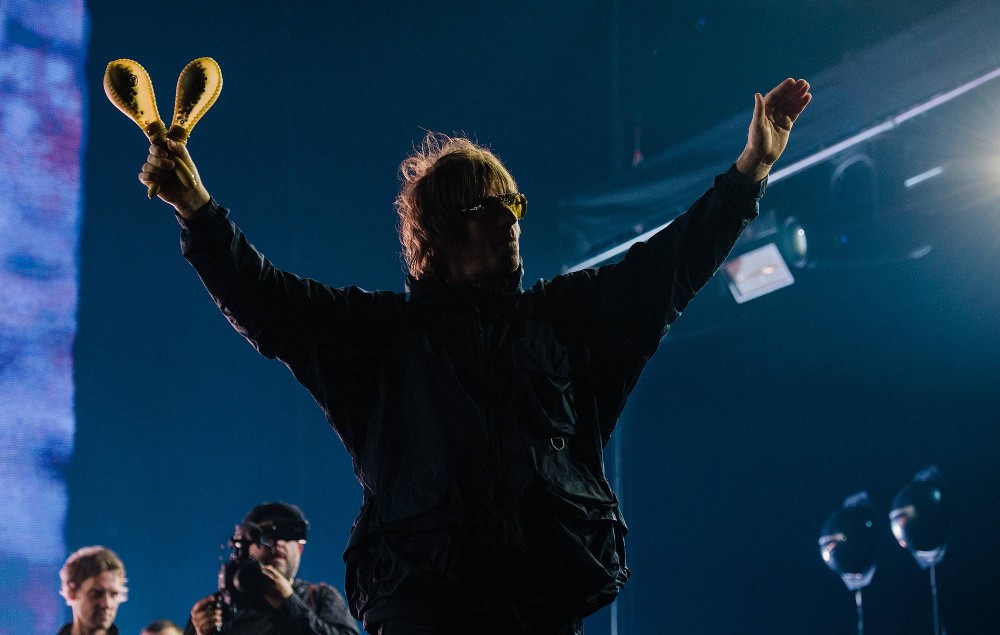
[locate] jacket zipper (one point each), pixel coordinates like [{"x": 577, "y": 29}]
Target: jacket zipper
[{"x": 489, "y": 413}]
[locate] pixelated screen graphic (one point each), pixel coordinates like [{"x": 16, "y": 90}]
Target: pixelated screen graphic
[{"x": 42, "y": 50}]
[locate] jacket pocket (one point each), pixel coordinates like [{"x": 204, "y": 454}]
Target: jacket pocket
[
  {"x": 580, "y": 530},
  {"x": 412, "y": 558},
  {"x": 544, "y": 388}
]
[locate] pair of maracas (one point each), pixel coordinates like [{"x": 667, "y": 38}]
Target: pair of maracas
[{"x": 129, "y": 88}]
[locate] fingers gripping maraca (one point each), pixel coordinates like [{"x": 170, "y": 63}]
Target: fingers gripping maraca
[{"x": 129, "y": 88}]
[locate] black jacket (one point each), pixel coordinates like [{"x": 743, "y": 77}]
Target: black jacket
[
  {"x": 67, "y": 629},
  {"x": 476, "y": 416},
  {"x": 314, "y": 609}
]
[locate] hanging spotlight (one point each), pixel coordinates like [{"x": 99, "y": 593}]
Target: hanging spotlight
[
  {"x": 767, "y": 251},
  {"x": 795, "y": 242}
]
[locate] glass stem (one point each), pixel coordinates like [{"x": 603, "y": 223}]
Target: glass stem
[
  {"x": 934, "y": 600},
  {"x": 861, "y": 613}
]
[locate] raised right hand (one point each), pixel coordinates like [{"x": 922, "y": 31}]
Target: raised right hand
[
  {"x": 773, "y": 116},
  {"x": 159, "y": 169},
  {"x": 206, "y": 615}
]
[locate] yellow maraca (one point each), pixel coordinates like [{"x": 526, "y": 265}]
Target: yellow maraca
[
  {"x": 127, "y": 85},
  {"x": 197, "y": 89}
]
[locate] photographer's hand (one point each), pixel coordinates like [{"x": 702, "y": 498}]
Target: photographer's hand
[
  {"x": 280, "y": 588},
  {"x": 206, "y": 615}
]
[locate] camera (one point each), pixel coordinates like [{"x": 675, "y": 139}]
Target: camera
[{"x": 241, "y": 580}]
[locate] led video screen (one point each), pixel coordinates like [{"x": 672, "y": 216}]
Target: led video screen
[{"x": 42, "y": 50}]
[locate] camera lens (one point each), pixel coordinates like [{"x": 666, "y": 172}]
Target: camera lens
[{"x": 248, "y": 578}]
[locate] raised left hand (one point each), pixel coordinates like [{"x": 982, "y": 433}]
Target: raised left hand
[
  {"x": 280, "y": 588},
  {"x": 773, "y": 117}
]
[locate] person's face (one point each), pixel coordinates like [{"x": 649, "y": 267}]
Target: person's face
[
  {"x": 95, "y": 602},
  {"x": 285, "y": 556},
  {"x": 492, "y": 246}
]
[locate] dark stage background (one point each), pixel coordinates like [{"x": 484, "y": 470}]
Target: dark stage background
[{"x": 740, "y": 438}]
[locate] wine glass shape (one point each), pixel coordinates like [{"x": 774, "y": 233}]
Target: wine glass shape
[
  {"x": 920, "y": 519},
  {"x": 920, "y": 522},
  {"x": 848, "y": 544}
]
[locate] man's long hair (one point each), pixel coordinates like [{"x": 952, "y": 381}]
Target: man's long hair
[{"x": 441, "y": 177}]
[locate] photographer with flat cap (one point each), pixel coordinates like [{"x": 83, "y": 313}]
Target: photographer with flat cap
[{"x": 258, "y": 592}]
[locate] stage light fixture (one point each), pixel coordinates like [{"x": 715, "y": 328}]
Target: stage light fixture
[
  {"x": 757, "y": 272},
  {"x": 766, "y": 254},
  {"x": 795, "y": 242}
]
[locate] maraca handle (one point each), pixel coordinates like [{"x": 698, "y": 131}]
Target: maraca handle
[
  {"x": 157, "y": 133},
  {"x": 184, "y": 172}
]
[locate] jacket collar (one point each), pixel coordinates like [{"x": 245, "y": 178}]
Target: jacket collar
[
  {"x": 68, "y": 628},
  {"x": 435, "y": 291}
]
